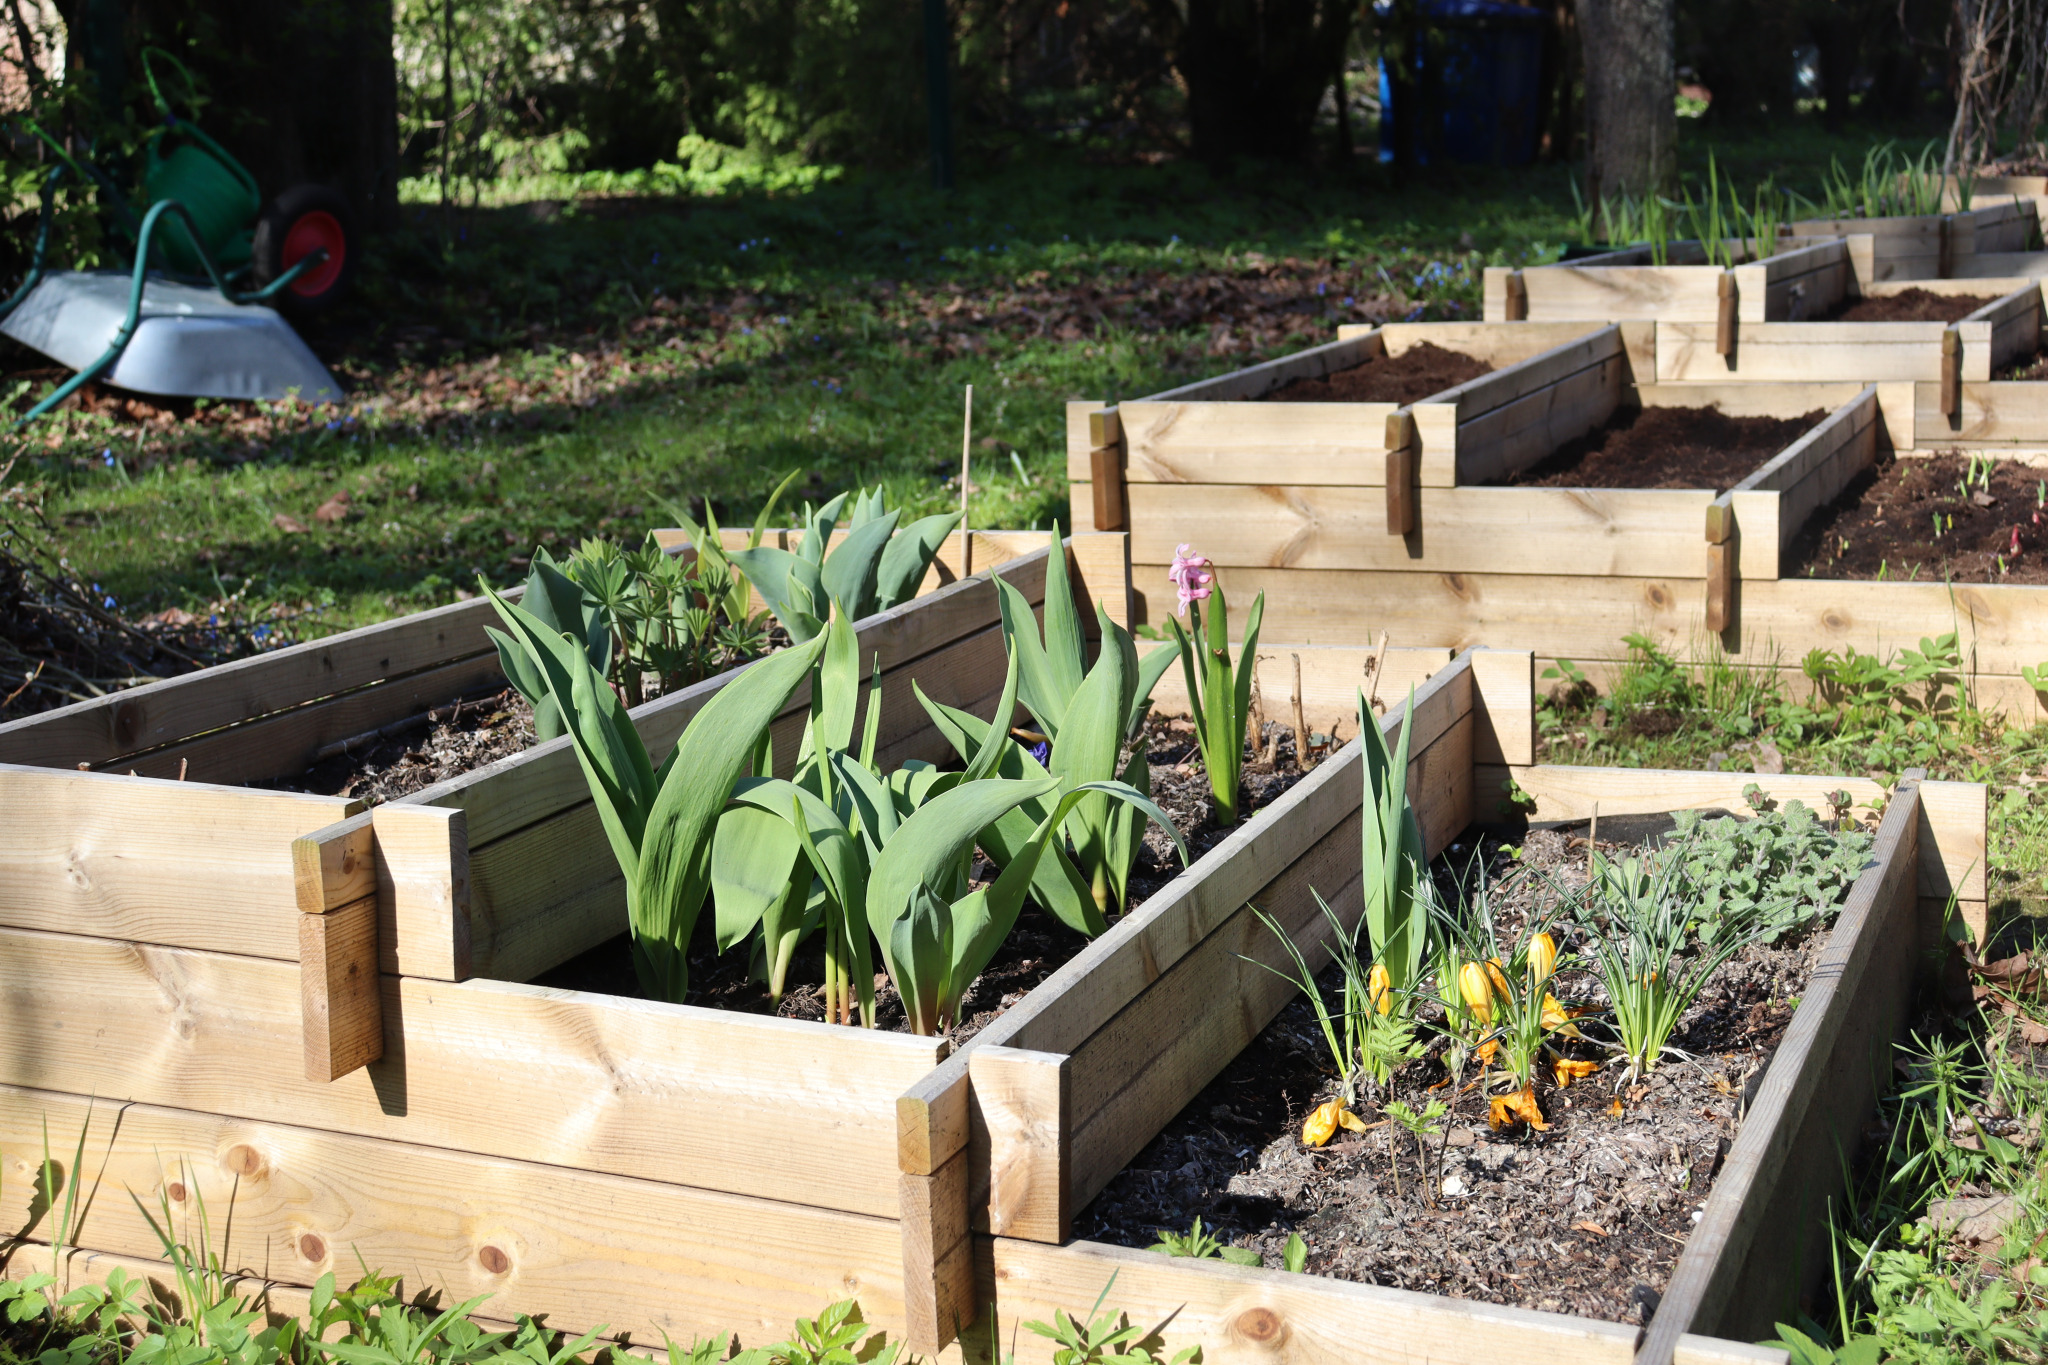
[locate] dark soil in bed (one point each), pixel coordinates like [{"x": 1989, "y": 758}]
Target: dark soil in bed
[
  {"x": 2033, "y": 367},
  {"x": 1037, "y": 947},
  {"x": 413, "y": 754},
  {"x": 1587, "y": 1218},
  {"x": 1911, "y": 305},
  {"x": 1416, "y": 373},
  {"x": 1668, "y": 448},
  {"x": 1883, "y": 525}
]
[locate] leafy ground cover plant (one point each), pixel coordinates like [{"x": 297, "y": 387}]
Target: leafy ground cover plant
[
  {"x": 1220, "y": 694},
  {"x": 1768, "y": 876}
]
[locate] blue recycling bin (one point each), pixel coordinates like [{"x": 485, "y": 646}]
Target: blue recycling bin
[{"x": 1477, "y": 72}]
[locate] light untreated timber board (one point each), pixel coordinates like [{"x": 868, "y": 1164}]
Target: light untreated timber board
[
  {"x": 107, "y": 728},
  {"x": 2010, "y": 412},
  {"x": 180, "y": 863},
  {"x": 602, "y": 1083},
  {"x": 1953, "y": 812},
  {"x": 1764, "y": 1234},
  {"x": 584, "y": 1249},
  {"x": 1596, "y": 532},
  {"x": 1806, "y": 352},
  {"x": 1331, "y": 678},
  {"x": 1239, "y": 1315}
]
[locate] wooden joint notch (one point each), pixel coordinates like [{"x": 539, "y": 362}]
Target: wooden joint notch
[
  {"x": 1023, "y": 1102},
  {"x": 340, "y": 998},
  {"x": 1403, "y": 459},
  {"x": 1725, "y": 315},
  {"x": 1106, "y": 470},
  {"x": 1952, "y": 377},
  {"x": 1517, "y": 309}
]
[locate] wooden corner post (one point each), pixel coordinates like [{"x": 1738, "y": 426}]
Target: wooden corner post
[
  {"x": 934, "y": 1202},
  {"x": 1106, "y": 470},
  {"x": 1725, "y": 315},
  {"x": 1517, "y": 309},
  {"x": 340, "y": 1000},
  {"x": 1722, "y": 549},
  {"x": 1403, "y": 458},
  {"x": 1952, "y": 377}
]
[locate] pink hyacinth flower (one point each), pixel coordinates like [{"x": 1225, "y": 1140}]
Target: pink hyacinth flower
[{"x": 1192, "y": 575}]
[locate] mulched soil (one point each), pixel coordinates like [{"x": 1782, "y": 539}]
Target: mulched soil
[
  {"x": 1588, "y": 1218},
  {"x": 1037, "y": 947},
  {"x": 1668, "y": 448},
  {"x": 1416, "y": 373},
  {"x": 2033, "y": 367},
  {"x": 1913, "y": 305},
  {"x": 413, "y": 754},
  {"x": 1884, "y": 521}
]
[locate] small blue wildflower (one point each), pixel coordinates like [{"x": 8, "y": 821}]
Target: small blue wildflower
[
  {"x": 108, "y": 604},
  {"x": 1347, "y": 300},
  {"x": 334, "y": 426},
  {"x": 1415, "y": 314},
  {"x": 260, "y": 631},
  {"x": 213, "y": 620},
  {"x": 108, "y": 457},
  {"x": 656, "y": 260},
  {"x": 1041, "y": 751},
  {"x": 1321, "y": 289}
]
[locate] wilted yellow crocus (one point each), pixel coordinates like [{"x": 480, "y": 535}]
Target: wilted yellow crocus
[
  {"x": 1542, "y": 960},
  {"x": 1564, "y": 1070},
  {"x": 1499, "y": 978},
  {"x": 1476, "y": 991},
  {"x": 1379, "y": 987},
  {"x": 1520, "y": 1106},
  {"x": 1556, "y": 1019},
  {"x": 1322, "y": 1125}
]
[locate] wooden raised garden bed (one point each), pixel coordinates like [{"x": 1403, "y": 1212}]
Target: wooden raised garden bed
[
  {"x": 1564, "y": 571},
  {"x": 601, "y": 1159},
  {"x": 1999, "y": 324},
  {"x": 1803, "y": 278},
  {"x": 1125, "y": 1038},
  {"x": 1931, "y": 246}
]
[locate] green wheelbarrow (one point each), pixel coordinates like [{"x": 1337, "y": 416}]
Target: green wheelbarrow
[{"x": 191, "y": 316}]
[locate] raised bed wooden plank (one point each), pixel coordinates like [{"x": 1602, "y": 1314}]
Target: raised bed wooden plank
[
  {"x": 2015, "y": 324},
  {"x": 2008, "y": 413},
  {"x": 1764, "y": 1235},
  {"x": 122, "y": 857},
  {"x": 1255, "y": 381},
  {"x": 2001, "y": 625},
  {"x": 1953, "y": 812},
  {"x": 1534, "y": 407},
  {"x": 1498, "y": 344},
  {"x": 1597, "y": 532},
  {"x": 585, "y": 1249},
  {"x": 1608, "y": 292},
  {"x": 1227, "y": 443},
  {"x": 1863, "y": 352},
  {"x": 1238, "y": 1314},
  {"x": 1807, "y": 474},
  {"x": 1739, "y": 398},
  {"x": 108, "y": 728},
  {"x": 1802, "y": 282},
  {"x": 285, "y": 744},
  {"x": 593, "y": 1082}
]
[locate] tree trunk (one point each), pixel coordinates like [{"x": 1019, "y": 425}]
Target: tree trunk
[
  {"x": 299, "y": 90},
  {"x": 1631, "y": 96}
]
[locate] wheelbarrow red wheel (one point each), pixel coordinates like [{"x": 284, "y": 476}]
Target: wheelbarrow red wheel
[{"x": 297, "y": 223}]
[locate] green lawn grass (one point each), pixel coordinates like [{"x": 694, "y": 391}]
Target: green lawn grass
[{"x": 577, "y": 368}]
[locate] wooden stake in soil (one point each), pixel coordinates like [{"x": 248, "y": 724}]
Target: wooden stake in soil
[
  {"x": 1517, "y": 298},
  {"x": 1592, "y": 837},
  {"x": 966, "y": 458},
  {"x": 1952, "y": 377},
  {"x": 1724, "y": 318},
  {"x": 1373, "y": 669},
  {"x": 1300, "y": 723}
]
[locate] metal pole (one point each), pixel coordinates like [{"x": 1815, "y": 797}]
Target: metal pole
[{"x": 938, "y": 90}]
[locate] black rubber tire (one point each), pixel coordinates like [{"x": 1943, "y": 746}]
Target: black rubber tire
[{"x": 274, "y": 227}]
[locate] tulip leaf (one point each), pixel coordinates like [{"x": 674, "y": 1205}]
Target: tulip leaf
[
  {"x": 909, "y": 558},
  {"x": 818, "y": 529},
  {"x": 752, "y": 854},
  {"x": 919, "y": 945},
  {"x": 930, "y": 842},
  {"x": 1040, "y": 683},
  {"x": 849, "y": 571},
  {"x": 714, "y": 753},
  {"x": 775, "y": 575}
]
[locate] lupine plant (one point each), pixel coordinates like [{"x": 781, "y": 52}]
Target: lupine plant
[
  {"x": 872, "y": 568},
  {"x": 1220, "y": 693}
]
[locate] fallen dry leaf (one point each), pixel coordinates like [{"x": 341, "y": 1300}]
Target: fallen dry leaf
[
  {"x": 1593, "y": 1228},
  {"x": 1564, "y": 1071},
  {"x": 334, "y": 509},
  {"x": 1519, "y": 1107},
  {"x": 290, "y": 525}
]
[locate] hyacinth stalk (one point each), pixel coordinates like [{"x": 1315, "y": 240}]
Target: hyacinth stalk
[{"x": 1220, "y": 693}]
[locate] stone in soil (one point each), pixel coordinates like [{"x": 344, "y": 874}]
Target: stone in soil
[
  {"x": 1036, "y": 947},
  {"x": 1588, "y": 1218},
  {"x": 1668, "y": 448},
  {"x": 1911, "y": 305},
  {"x": 1416, "y": 373},
  {"x": 1883, "y": 523}
]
